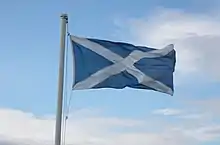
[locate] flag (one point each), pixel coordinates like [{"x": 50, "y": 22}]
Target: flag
[{"x": 107, "y": 64}]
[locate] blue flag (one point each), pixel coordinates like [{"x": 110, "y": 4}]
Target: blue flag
[{"x": 107, "y": 64}]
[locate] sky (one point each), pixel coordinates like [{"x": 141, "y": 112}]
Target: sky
[{"x": 29, "y": 58}]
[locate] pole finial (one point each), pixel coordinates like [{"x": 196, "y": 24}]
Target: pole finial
[{"x": 64, "y": 16}]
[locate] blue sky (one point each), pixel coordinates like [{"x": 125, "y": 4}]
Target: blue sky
[{"x": 29, "y": 55}]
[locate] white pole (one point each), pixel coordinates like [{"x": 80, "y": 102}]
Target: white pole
[{"x": 64, "y": 21}]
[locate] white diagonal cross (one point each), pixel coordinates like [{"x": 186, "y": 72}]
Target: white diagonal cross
[{"x": 121, "y": 64}]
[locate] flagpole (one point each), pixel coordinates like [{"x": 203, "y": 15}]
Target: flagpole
[{"x": 64, "y": 21}]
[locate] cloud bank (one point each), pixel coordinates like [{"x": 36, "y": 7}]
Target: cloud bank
[{"x": 88, "y": 127}]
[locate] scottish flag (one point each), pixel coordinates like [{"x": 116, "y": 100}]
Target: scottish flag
[{"x": 107, "y": 64}]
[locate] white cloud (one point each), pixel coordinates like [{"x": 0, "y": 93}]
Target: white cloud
[
  {"x": 192, "y": 116},
  {"x": 196, "y": 119},
  {"x": 167, "y": 112},
  {"x": 182, "y": 113},
  {"x": 204, "y": 133},
  {"x": 21, "y": 126},
  {"x": 196, "y": 38},
  {"x": 18, "y": 127}
]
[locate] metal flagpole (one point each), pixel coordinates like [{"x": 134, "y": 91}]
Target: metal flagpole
[{"x": 64, "y": 21}]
